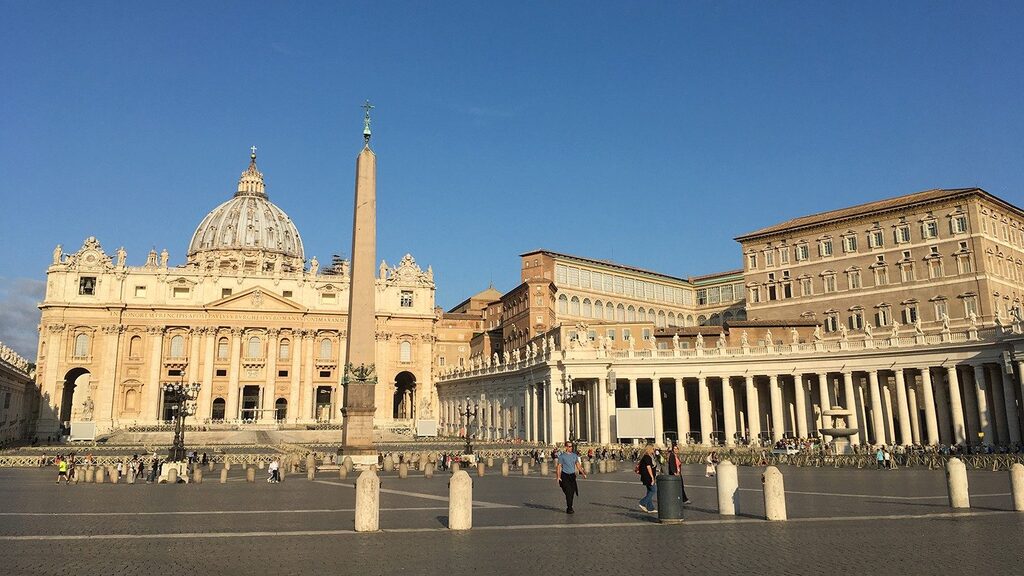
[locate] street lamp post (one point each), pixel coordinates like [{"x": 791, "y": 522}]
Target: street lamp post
[
  {"x": 467, "y": 413},
  {"x": 181, "y": 398},
  {"x": 570, "y": 397}
]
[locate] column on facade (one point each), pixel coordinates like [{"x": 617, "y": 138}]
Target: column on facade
[
  {"x": 753, "y": 409},
  {"x": 955, "y": 407},
  {"x": 850, "y": 404},
  {"x": 308, "y": 391},
  {"x": 634, "y": 401},
  {"x": 269, "y": 393},
  {"x": 1000, "y": 420},
  {"x": 970, "y": 398},
  {"x": 729, "y": 411},
  {"x": 603, "y": 415},
  {"x": 659, "y": 424},
  {"x": 295, "y": 388},
  {"x": 984, "y": 414},
  {"x": 1010, "y": 402},
  {"x": 877, "y": 424},
  {"x": 531, "y": 392},
  {"x": 596, "y": 401},
  {"x": 778, "y": 417},
  {"x": 890, "y": 418},
  {"x": 902, "y": 407},
  {"x": 194, "y": 341},
  {"x": 943, "y": 411},
  {"x": 527, "y": 428},
  {"x": 824, "y": 404},
  {"x": 682, "y": 412},
  {"x": 556, "y": 431},
  {"x": 234, "y": 372},
  {"x": 108, "y": 377},
  {"x": 152, "y": 386},
  {"x": 800, "y": 397},
  {"x": 704, "y": 400},
  {"x": 204, "y": 408},
  {"x": 860, "y": 387}
]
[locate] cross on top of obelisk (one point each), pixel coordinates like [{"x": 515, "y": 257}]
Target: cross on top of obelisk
[{"x": 366, "y": 121}]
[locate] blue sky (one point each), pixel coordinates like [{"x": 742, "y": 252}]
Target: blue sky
[{"x": 649, "y": 133}]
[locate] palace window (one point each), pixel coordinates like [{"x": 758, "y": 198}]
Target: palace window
[
  {"x": 751, "y": 261},
  {"x": 225, "y": 292},
  {"x": 769, "y": 258},
  {"x": 825, "y": 247},
  {"x": 935, "y": 268},
  {"x": 902, "y": 234},
  {"x": 850, "y": 243},
  {"x": 755, "y": 295},
  {"x": 177, "y": 346},
  {"x": 806, "y": 287},
  {"x": 405, "y": 299},
  {"x": 702, "y": 297},
  {"x": 574, "y": 276},
  {"x": 618, "y": 284},
  {"x": 910, "y": 313},
  {"x": 630, "y": 314},
  {"x": 930, "y": 229},
  {"x": 963, "y": 264},
  {"x": 941, "y": 309},
  {"x": 588, "y": 308},
  {"x": 87, "y": 286},
  {"x": 958, "y": 223},
  {"x": 784, "y": 255},
  {"x": 828, "y": 282},
  {"x": 286, "y": 293},
  {"x": 180, "y": 292},
  {"x": 584, "y": 278},
  {"x": 561, "y": 272},
  {"x": 81, "y": 346},
  {"x": 881, "y": 276},
  {"x": 883, "y": 317},
  {"x": 610, "y": 335},
  {"x": 620, "y": 313},
  {"x": 646, "y": 334},
  {"x": 563, "y": 304},
  {"x": 626, "y": 335},
  {"x": 574, "y": 306},
  {"x": 876, "y": 239},
  {"x": 853, "y": 279},
  {"x": 857, "y": 319},
  {"x": 831, "y": 322},
  {"x": 802, "y": 252},
  {"x": 140, "y": 291},
  {"x": 970, "y": 305},
  {"x": 907, "y": 272}
]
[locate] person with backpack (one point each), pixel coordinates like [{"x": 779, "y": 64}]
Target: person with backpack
[{"x": 645, "y": 468}]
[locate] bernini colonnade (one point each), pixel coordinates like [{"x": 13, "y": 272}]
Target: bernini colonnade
[{"x": 949, "y": 388}]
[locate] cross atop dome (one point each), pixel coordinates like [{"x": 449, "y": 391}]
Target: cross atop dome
[{"x": 251, "y": 181}]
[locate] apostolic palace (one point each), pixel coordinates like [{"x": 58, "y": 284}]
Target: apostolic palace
[{"x": 905, "y": 313}]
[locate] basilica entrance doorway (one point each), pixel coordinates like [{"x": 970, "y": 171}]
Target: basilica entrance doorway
[
  {"x": 250, "y": 402},
  {"x": 71, "y": 404},
  {"x": 404, "y": 404},
  {"x": 323, "y": 404}
]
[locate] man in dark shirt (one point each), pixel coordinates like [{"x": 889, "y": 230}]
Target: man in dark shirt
[{"x": 646, "y": 469}]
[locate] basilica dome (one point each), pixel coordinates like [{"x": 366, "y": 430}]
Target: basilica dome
[{"x": 247, "y": 225}]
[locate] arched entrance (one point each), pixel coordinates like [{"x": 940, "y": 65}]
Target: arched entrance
[
  {"x": 72, "y": 406},
  {"x": 281, "y": 408},
  {"x": 404, "y": 404}
]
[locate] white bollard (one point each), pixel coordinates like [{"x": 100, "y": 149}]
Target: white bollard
[
  {"x": 526, "y": 468},
  {"x": 388, "y": 462},
  {"x": 428, "y": 470},
  {"x": 172, "y": 475},
  {"x": 504, "y": 467},
  {"x": 368, "y": 502},
  {"x": 480, "y": 469},
  {"x": 342, "y": 472},
  {"x": 956, "y": 484},
  {"x": 347, "y": 463},
  {"x": 223, "y": 475},
  {"x": 774, "y": 494},
  {"x": 602, "y": 467},
  {"x": 728, "y": 489},
  {"x": 1017, "y": 486},
  {"x": 490, "y": 462},
  {"x": 460, "y": 502},
  {"x": 250, "y": 475},
  {"x": 543, "y": 467},
  {"x": 403, "y": 470},
  {"x": 197, "y": 475}
]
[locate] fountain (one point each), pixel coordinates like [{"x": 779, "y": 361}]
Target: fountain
[{"x": 839, "y": 431}]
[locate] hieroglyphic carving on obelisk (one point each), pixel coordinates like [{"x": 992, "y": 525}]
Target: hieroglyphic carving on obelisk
[{"x": 360, "y": 375}]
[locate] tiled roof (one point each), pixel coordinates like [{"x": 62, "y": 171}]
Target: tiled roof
[
  {"x": 771, "y": 323},
  {"x": 862, "y": 209},
  {"x": 611, "y": 264}
]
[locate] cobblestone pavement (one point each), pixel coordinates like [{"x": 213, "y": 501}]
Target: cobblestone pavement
[{"x": 841, "y": 522}]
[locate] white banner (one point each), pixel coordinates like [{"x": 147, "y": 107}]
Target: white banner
[{"x": 634, "y": 422}]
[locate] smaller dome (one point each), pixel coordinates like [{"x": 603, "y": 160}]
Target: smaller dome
[{"x": 248, "y": 221}]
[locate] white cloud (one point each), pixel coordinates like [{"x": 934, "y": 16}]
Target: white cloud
[{"x": 19, "y": 316}]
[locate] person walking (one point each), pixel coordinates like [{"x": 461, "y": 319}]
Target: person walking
[
  {"x": 880, "y": 458},
  {"x": 675, "y": 468},
  {"x": 62, "y": 469},
  {"x": 274, "y": 473},
  {"x": 566, "y": 468},
  {"x": 709, "y": 464},
  {"x": 645, "y": 467}
]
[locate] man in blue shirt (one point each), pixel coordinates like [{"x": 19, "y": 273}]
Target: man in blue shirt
[{"x": 566, "y": 467}]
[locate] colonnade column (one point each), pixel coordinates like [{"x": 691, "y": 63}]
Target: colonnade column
[
  {"x": 801, "y": 406},
  {"x": 984, "y": 414},
  {"x": 659, "y": 424},
  {"x": 915, "y": 424},
  {"x": 753, "y": 409},
  {"x": 530, "y": 432},
  {"x": 903, "y": 408},
  {"x": 778, "y": 419},
  {"x": 1010, "y": 401},
  {"x": 1000, "y": 417},
  {"x": 928, "y": 399},
  {"x": 634, "y": 402},
  {"x": 824, "y": 403},
  {"x": 955, "y": 407},
  {"x": 850, "y": 403},
  {"x": 877, "y": 424},
  {"x": 704, "y": 399},
  {"x": 682, "y": 413},
  {"x": 729, "y": 411},
  {"x": 603, "y": 417}
]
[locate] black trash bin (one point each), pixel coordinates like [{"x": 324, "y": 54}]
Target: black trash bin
[{"x": 670, "y": 499}]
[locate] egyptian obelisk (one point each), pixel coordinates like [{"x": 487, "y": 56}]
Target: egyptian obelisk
[{"x": 360, "y": 375}]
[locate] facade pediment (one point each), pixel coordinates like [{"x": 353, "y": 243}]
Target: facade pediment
[{"x": 255, "y": 299}]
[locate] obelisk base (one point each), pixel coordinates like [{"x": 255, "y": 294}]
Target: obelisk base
[{"x": 357, "y": 437}]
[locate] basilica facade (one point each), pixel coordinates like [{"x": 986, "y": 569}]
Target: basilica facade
[{"x": 262, "y": 329}]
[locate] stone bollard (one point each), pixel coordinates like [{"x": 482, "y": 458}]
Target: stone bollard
[
  {"x": 99, "y": 474},
  {"x": 347, "y": 463},
  {"x": 526, "y": 468},
  {"x": 311, "y": 473},
  {"x": 460, "y": 502},
  {"x": 504, "y": 467},
  {"x": 1017, "y": 486},
  {"x": 260, "y": 465},
  {"x": 368, "y": 502},
  {"x": 480, "y": 469},
  {"x": 227, "y": 464},
  {"x": 586, "y": 467},
  {"x": 428, "y": 470},
  {"x": 956, "y": 484},
  {"x": 223, "y": 475},
  {"x": 172, "y": 475},
  {"x": 602, "y": 466},
  {"x": 543, "y": 467},
  {"x": 90, "y": 474},
  {"x": 113, "y": 475},
  {"x": 519, "y": 462},
  {"x": 728, "y": 488},
  {"x": 774, "y": 494},
  {"x": 210, "y": 464},
  {"x": 342, "y": 473},
  {"x": 197, "y": 475},
  {"x": 455, "y": 466},
  {"x": 387, "y": 463},
  {"x": 403, "y": 470},
  {"x": 490, "y": 462},
  {"x": 281, "y": 474},
  {"x": 310, "y": 463},
  {"x": 250, "y": 475}
]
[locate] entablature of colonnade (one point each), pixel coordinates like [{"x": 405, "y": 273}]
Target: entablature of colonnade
[{"x": 843, "y": 355}]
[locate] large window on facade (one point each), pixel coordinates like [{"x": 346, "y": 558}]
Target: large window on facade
[
  {"x": 222, "y": 349},
  {"x": 284, "y": 349},
  {"x": 574, "y": 306},
  {"x": 81, "y": 345},
  {"x": 135, "y": 347},
  {"x": 326, "y": 349},
  {"x": 563, "y": 304},
  {"x": 177, "y": 346},
  {"x": 255, "y": 348},
  {"x": 588, "y": 308},
  {"x": 405, "y": 351}
]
